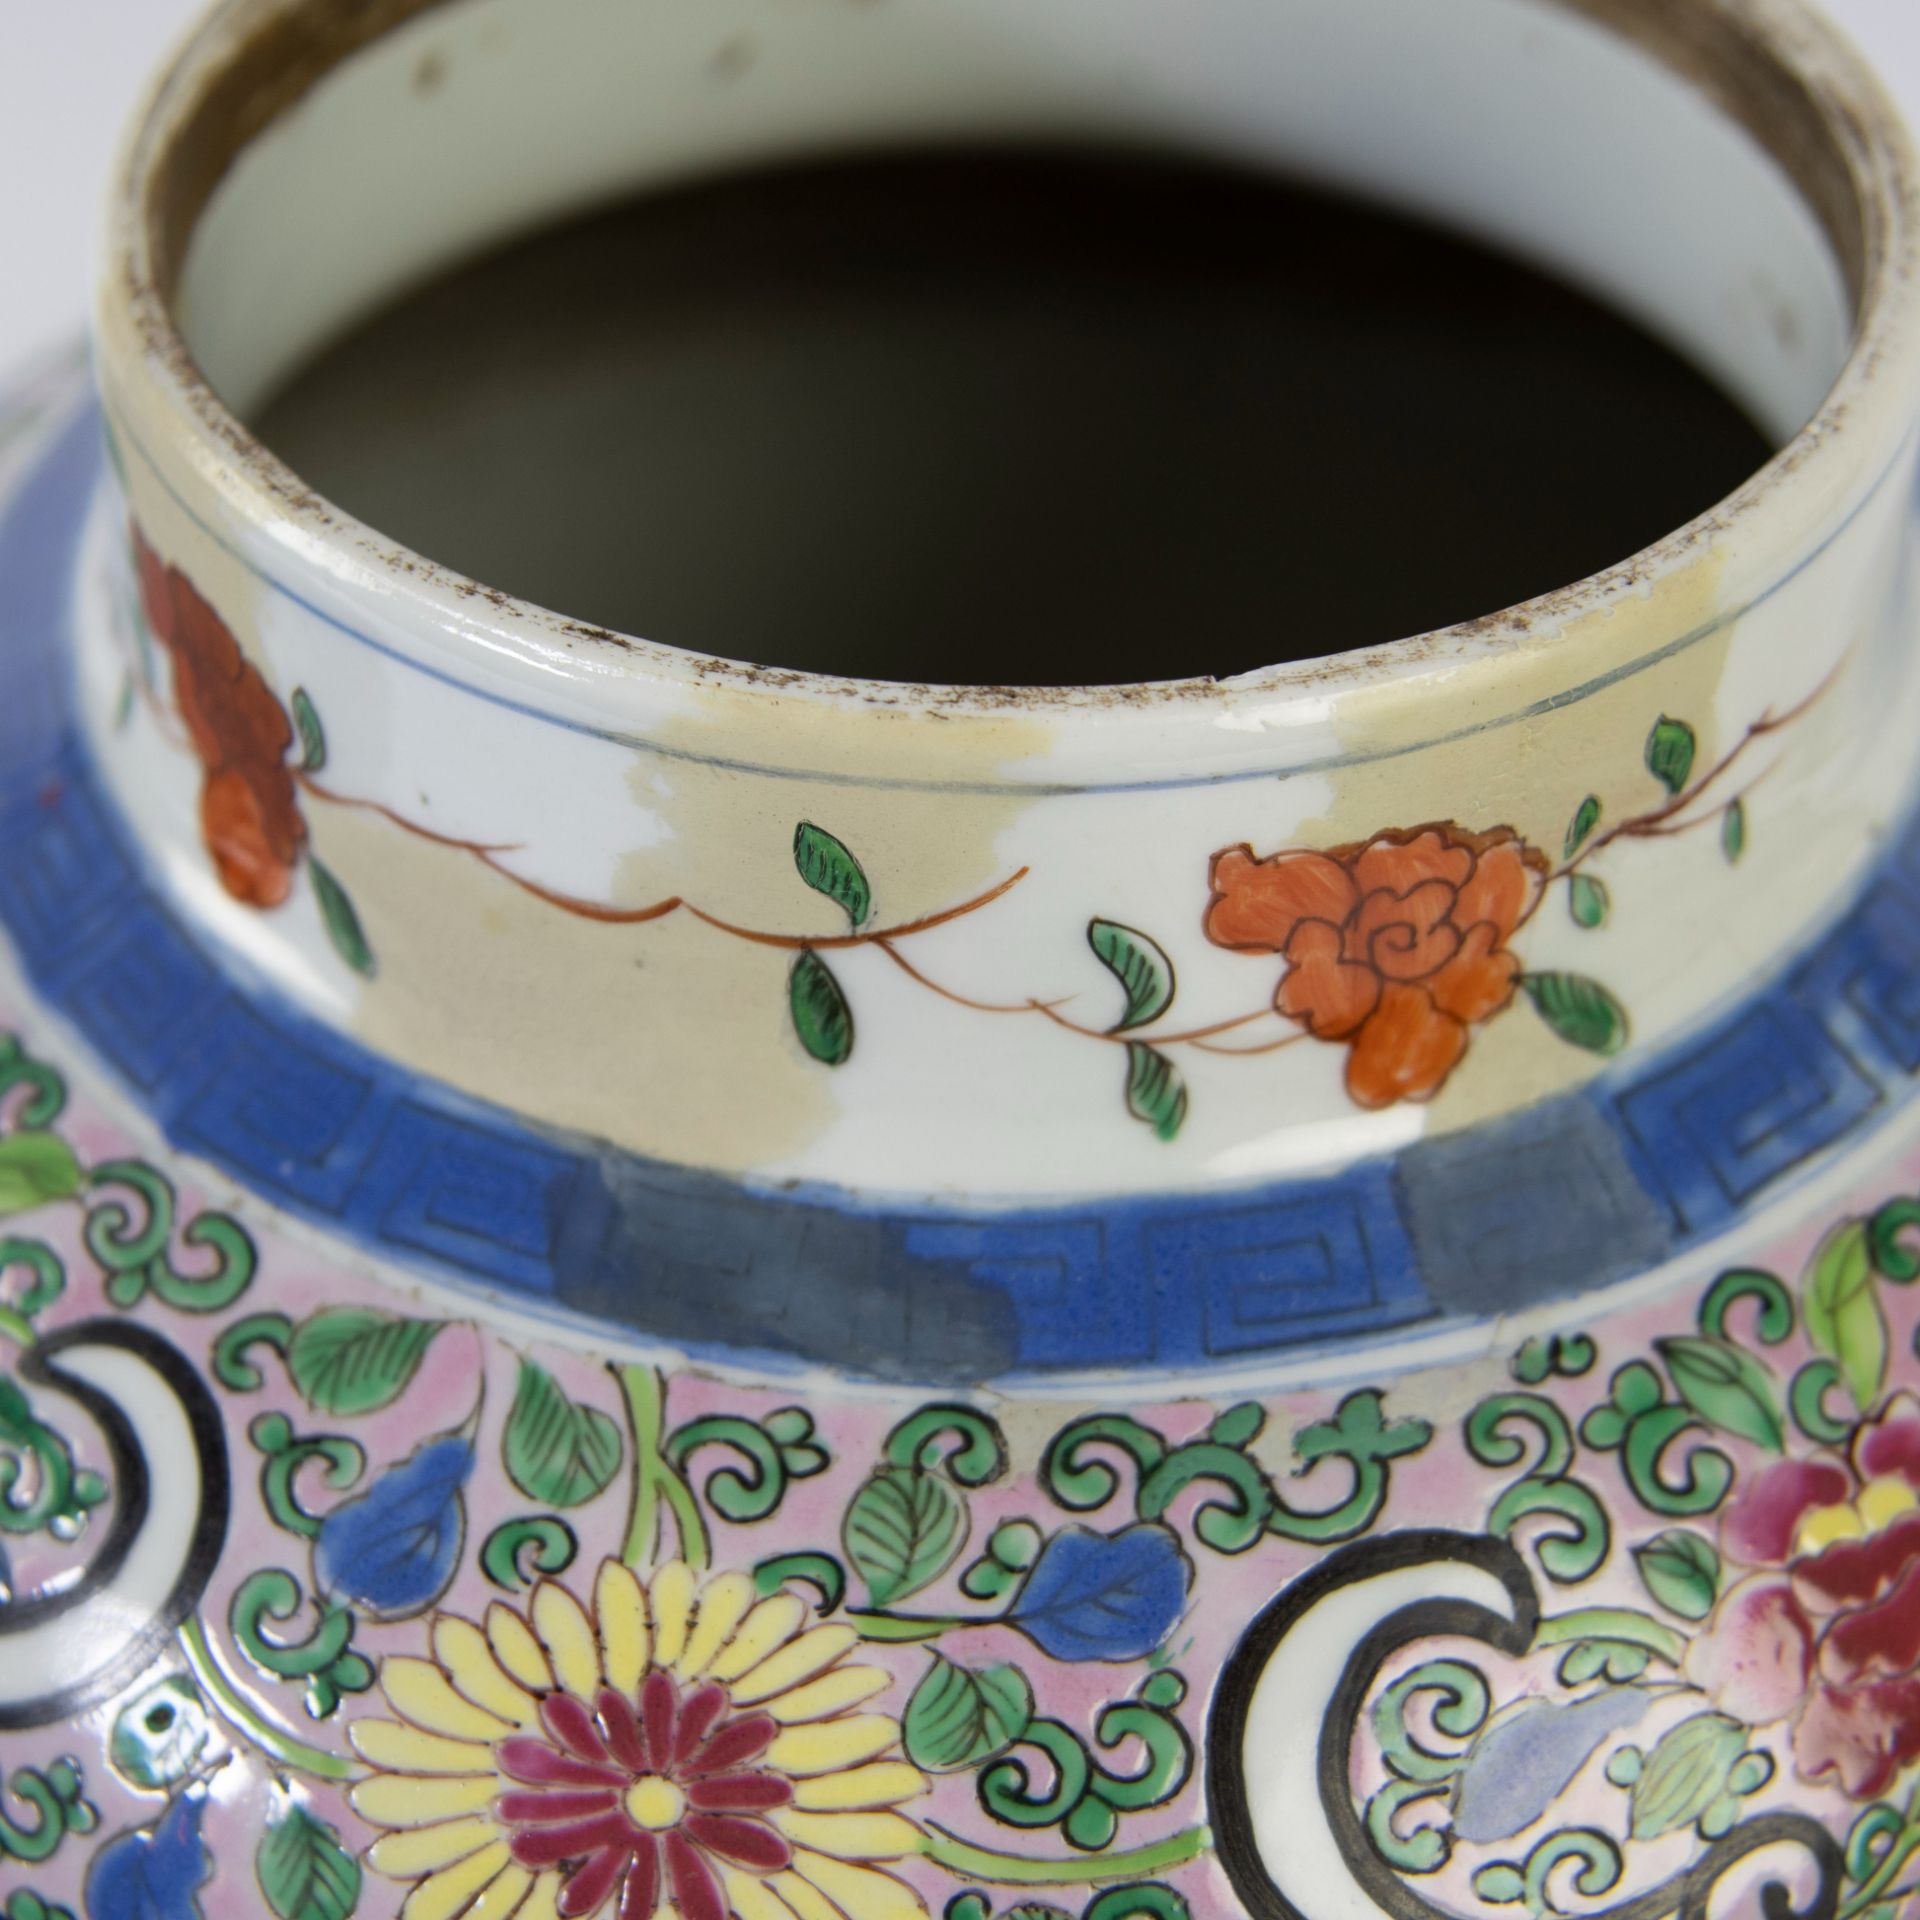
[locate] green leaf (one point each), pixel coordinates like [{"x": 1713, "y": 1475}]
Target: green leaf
[
  {"x": 556, "y": 1451},
  {"x": 1589, "y": 901},
  {"x": 36, "y": 1168},
  {"x": 905, "y": 1528},
  {"x": 1845, "y": 1318},
  {"x": 1728, "y": 1388},
  {"x": 959, "y": 1718},
  {"x": 1686, "y": 1773},
  {"x": 1500, "y": 1885},
  {"x": 1671, "y": 748},
  {"x": 343, "y": 924},
  {"x": 304, "y": 1871},
  {"x": 1733, "y": 832},
  {"x": 827, "y": 867},
  {"x": 1140, "y": 966},
  {"x": 1581, "y": 1011},
  {"x": 1240, "y": 1426},
  {"x": 1156, "y": 1094},
  {"x": 1584, "y": 822},
  {"x": 821, "y": 1016},
  {"x": 1682, "y": 1571},
  {"x": 1615, "y": 1661},
  {"x": 313, "y": 738},
  {"x": 348, "y": 1360}
]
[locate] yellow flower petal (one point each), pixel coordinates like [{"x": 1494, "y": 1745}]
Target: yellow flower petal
[
  {"x": 516, "y": 1649},
  {"x": 562, "y": 1624},
  {"x": 620, "y": 1607},
  {"x": 860, "y": 1893},
  {"x": 461, "y": 1648},
  {"x": 670, "y": 1594},
  {"x": 832, "y": 1693},
  {"x": 503, "y": 1897},
  {"x": 422, "y": 1850},
  {"x": 850, "y": 1836},
  {"x": 806, "y": 1900},
  {"x": 888, "y": 1783},
  {"x": 799, "y": 1660},
  {"x": 752, "y": 1898},
  {"x": 400, "y": 1749},
  {"x": 829, "y": 1745},
  {"x": 1885, "y": 1500},
  {"x": 1827, "y": 1526},
  {"x": 450, "y": 1892},
  {"x": 407, "y": 1800},
  {"x": 771, "y": 1624},
  {"x": 543, "y": 1899},
  {"x": 420, "y": 1691},
  {"x": 724, "y": 1603}
]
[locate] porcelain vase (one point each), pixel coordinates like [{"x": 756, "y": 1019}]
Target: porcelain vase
[{"x": 639, "y": 1284}]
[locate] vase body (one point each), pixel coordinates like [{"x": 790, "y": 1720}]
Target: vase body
[{"x": 635, "y": 1283}]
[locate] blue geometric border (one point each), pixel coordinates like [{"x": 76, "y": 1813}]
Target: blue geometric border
[{"x": 1575, "y": 1193}]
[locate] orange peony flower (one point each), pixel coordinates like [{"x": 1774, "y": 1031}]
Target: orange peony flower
[
  {"x": 249, "y": 815},
  {"x": 1395, "y": 948}
]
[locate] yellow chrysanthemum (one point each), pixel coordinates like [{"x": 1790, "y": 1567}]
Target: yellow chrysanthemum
[{"x": 682, "y": 1749}]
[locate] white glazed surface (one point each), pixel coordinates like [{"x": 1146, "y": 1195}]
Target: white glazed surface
[
  {"x": 599, "y": 766},
  {"x": 69, "y": 77}
]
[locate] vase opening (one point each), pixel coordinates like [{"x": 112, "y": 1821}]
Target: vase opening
[{"x": 972, "y": 346}]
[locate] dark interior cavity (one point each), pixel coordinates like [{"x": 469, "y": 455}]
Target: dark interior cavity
[{"x": 1010, "y": 416}]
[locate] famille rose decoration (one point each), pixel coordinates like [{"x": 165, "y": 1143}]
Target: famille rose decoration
[{"x": 637, "y": 1286}]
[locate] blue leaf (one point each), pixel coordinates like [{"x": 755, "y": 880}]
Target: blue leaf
[
  {"x": 1097, "y": 1596},
  {"x": 153, "y": 1873},
  {"x": 395, "y": 1548},
  {"x": 1522, "y": 1764}
]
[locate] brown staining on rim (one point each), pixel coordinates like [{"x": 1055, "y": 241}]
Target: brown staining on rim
[
  {"x": 1846, "y": 157},
  {"x": 1809, "y": 129},
  {"x": 262, "y": 77}
]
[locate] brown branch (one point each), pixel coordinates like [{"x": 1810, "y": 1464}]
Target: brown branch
[
  {"x": 488, "y": 854},
  {"x": 1250, "y": 1053},
  {"x": 1646, "y": 825},
  {"x": 877, "y": 937},
  {"x": 479, "y": 848},
  {"x": 1126, "y": 1037},
  {"x": 1664, "y": 822},
  {"x": 914, "y": 974},
  {"x": 1673, "y": 829},
  {"x": 1199, "y": 1037}
]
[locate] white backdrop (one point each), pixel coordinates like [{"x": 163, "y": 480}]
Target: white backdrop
[{"x": 70, "y": 71}]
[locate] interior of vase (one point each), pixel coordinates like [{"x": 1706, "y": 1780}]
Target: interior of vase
[{"x": 1656, "y": 154}]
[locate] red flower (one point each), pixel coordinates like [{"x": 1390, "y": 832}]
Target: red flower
[
  {"x": 249, "y": 817},
  {"x": 1395, "y": 948},
  {"x": 647, "y": 1803},
  {"x": 1830, "y": 1638}
]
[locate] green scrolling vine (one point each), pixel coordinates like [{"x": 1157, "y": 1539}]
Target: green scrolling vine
[
  {"x": 128, "y": 1218},
  {"x": 1776, "y": 1463},
  {"x": 1095, "y": 1567}
]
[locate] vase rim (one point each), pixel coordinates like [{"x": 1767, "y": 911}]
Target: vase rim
[{"x": 1783, "y": 71}]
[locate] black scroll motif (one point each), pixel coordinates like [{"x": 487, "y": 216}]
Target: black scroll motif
[
  {"x": 1375, "y": 1639},
  {"x": 145, "y": 1555}
]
